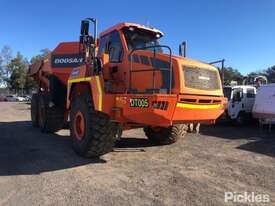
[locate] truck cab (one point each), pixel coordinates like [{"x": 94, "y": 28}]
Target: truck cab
[
  {"x": 137, "y": 68},
  {"x": 135, "y": 62},
  {"x": 240, "y": 102}
]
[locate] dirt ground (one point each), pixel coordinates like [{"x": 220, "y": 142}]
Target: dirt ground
[{"x": 42, "y": 169}]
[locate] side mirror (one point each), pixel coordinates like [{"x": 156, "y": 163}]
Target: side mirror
[{"x": 84, "y": 28}]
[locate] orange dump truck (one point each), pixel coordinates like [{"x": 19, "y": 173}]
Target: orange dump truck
[{"x": 124, "y": 79}]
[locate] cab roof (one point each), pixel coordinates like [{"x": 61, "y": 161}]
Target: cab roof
[
  {"x": 240, "y": 86},
  {"x": 127, "y": 24}
]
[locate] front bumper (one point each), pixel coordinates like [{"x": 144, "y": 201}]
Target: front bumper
[{"x": 165, "y": 110}]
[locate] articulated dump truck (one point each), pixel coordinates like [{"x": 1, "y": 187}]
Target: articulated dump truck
[{"x": 120, "y": 80}]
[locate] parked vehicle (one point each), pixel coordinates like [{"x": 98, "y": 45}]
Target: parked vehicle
[
  {"x": 264, "y": 106},
  {"x": 240, "y": 102},
  {"x": 27, "y": 98},
  {"x": 255, "y": 80},
  {"x": 124, "y": 80},
  {"x": 20, "y": 99},
  {"x": 2, "y": 98},
  {"x": 11, "y": 98}
]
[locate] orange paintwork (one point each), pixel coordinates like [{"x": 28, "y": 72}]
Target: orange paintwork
[{"x": 206, "y": 105}]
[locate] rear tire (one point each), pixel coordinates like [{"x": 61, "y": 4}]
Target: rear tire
[
  {"x": 51, "y": 119},
  {"x": 162, "y": 135},
  {"x": 34, "y": 110},
  {"x": 92, "y": 131}
]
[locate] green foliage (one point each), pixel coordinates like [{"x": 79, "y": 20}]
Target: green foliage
[
  {"x": 231, "y": 74},
  {"x": 43, "y": 53},
  {"x": 270, "y": 74},
  {"x": 14, "y": 70},
  {"x": 18, "y": 68}
]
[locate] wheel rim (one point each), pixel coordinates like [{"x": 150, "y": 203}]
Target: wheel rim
[{"x": 79, "y": 125}]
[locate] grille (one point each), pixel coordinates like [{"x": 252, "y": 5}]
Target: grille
[{"x": 202, "y": 79}]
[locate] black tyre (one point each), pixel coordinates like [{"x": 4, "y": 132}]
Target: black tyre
[
  {"x": 92, "y": 131},
  {"x": 34, "y": 110},
  {"x": 51, "y": 119},
  {"x": 240, "y": 120},
  {"x": 162, "y": 135}
]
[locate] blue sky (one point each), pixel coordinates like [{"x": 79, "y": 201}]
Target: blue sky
[{"x": 241, "y": 31}]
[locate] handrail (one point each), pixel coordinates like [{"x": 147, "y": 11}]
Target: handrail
[{"x": 153, "y": 65}]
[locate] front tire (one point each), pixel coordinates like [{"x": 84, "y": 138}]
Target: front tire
[
  {"x": 240, "y": 120},
  {"x": 92, "y": 131},
  {"x": 169, "y": 135}
]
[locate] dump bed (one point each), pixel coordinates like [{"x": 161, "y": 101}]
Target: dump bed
[{"x": 59, "y": 62}]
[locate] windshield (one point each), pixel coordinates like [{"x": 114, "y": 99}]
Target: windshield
[
  {"x": 137, "y": 38},
  {"x": 227, "y": 92}
]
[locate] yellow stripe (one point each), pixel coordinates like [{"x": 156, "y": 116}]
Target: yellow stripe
[
  {"x": 99, "y": 93},
  {"x": 197, "y": 106},
  {"x": 85, "y": 79}
]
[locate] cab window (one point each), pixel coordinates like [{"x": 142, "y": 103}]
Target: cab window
[
  {"x": 237, "y": 95},
  {"x": 111, "y": 44},
  {"x": 103, "y": 44},
  {"x": 139, "y": 38}
]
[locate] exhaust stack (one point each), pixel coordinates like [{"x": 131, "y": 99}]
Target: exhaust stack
[{"x": 182, "y": 48}]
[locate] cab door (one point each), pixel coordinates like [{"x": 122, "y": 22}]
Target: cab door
[
  {"x": 236, "y": 104},
  {"x": 115, "y": 70},
  {"x": 250, "y": 99}
]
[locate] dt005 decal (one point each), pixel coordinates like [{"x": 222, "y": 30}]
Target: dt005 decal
[{"x": 139, "y": 102}]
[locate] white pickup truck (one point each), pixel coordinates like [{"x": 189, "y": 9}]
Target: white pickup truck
[{"x": 240, "y": 102}]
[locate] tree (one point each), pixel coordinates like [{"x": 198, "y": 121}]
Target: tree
[
  {"x": 18, "y": 67},
  {"x": 43, "y": 53},
  {"x": 1, "y": 71},
  {"x": 30, "y": 83},
  {"x": 270, "y": 74},
  {"x": 231, "y": 74},
  {"x": 5, "y": 58}
]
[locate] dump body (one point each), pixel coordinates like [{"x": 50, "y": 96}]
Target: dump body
[{"x": 58, "y": 63}]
